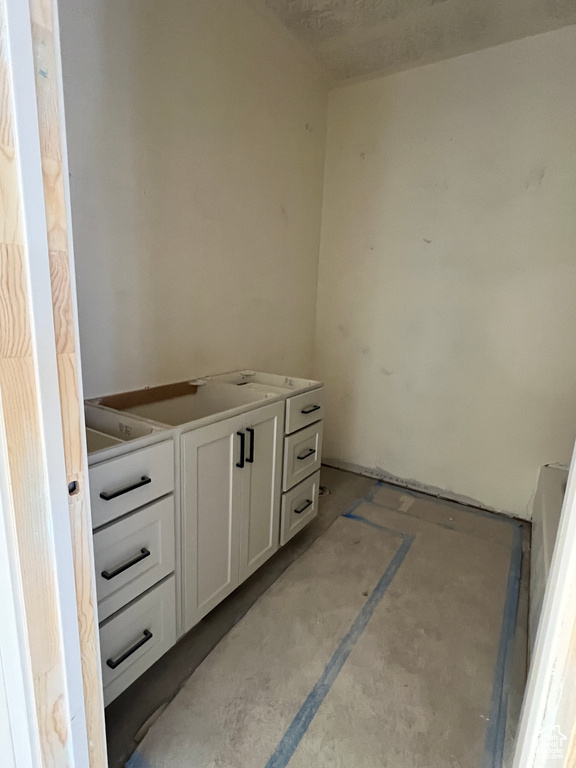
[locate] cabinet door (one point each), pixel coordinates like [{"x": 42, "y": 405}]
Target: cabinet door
[
  {"x": 261, "y": 487},
  {"x": 211, "y": 511}
]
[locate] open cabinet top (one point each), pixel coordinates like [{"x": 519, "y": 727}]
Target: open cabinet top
[{"x": 117, "y": 419}]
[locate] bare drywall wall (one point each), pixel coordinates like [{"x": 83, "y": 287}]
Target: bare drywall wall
[
  {"x": 196, "y": 137},
  {"x": 446, "y": 311}
]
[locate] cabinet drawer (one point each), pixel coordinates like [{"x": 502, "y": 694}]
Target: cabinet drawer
[
  {"x": 132, "y": 640},
  {"x": 132, "y": 555},
  {"x": 127, "y": 482},
  {"x": 299, "y": 506},
  {"x": 305, "y": 409},
  {"x": 302, "y": 454}
]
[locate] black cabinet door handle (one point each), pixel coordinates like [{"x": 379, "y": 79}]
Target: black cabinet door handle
[
  {"x": 303, "y": 507},
  {"x": 309, "y": 452},
  {"x": 310, "y": 409},
  {"x": 113, "y": 663},
  {"x": 109, "y": 495},
  {"x": 242, "y": 437},
  {"x": 250, "y": 457},
  {"x": 144, "y": 553}
]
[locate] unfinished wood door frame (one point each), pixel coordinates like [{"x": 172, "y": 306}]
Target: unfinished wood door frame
[
  {"x": 547, "y": 731},
  {"x": 51, "y": 697},
  {"x": 19, "y": 744}
]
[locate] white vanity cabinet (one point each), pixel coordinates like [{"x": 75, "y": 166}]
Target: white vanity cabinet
[
  {"x": 125, "y": 483},
  {"x": 305, "y": 409},
  {"x": 261, "y": 488},
  {"x": 134, "y": 638},
  {"x": 299, "y": 507},
  {"x": 302, "y": 459},
  {"x": 193, "y": 486},
  {"x": 132, "y": 554},
  {"x": 231, "y": 475},
  {"x": 210, "y": 503},
  {"x": 134, "y": 557}
]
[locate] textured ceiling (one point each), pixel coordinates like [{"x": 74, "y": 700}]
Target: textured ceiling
[{"x": 351, "y": 38}]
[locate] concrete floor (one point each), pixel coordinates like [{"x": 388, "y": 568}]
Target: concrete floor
[{"x": 393, "y": 639}]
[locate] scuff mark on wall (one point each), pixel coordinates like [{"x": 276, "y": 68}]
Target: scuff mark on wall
[
  {"x": 478, "y": 328},
  {"x": 203, "y": 183},
  {"x": 535, "y": 179}
]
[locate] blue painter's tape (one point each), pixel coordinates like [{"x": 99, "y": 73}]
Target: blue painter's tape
[
  {"x": 461, "y": 506},
  {"x": 372, "y": 493},
  {"x": 354, "y": 506},
  {"x": 299, "y": 725},
  {"x": 421, "y": 496},
  {"x": 496, "y": 729},
  {"x": 410, "y": 514},
  {"x": 363, "y": 500},
  {"x": 359, "y": 518},
  {"x": 137, "y": 761}
]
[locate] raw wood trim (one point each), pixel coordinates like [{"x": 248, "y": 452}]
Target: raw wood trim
[
  {"x": 38, "y": 356},
  {"x": 48, "y": 79},
  {"x": 29, "y": 513},
  {"x": 124, "y": 400},
  {"x": 19, "y": 738}
]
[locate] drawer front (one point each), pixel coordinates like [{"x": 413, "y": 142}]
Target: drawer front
[
  {"x": 133, "y": 554},
  {"x": 127, "y": 482},
  {"x": 299, "y": 507},
  {"x": 132, "y": 640},
  {"x": 305, "y": 409},
  {"x": 302, "y": 455}
]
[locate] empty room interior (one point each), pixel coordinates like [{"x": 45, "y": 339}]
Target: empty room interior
[{"x": 325, "y": 266}]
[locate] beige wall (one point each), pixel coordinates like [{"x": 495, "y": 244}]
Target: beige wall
[
  {"x": 196, "y": 136},
  {"x": 447, "y": 285}
]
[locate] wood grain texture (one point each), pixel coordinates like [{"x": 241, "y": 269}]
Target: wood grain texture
[
  {"x": 15, "y": 338},
  {"x": 49, "y": 98},
  {"x": 10, "y": 223},
  {"x": 30, "y": 506},
  {"x": 42, "y": 12}
]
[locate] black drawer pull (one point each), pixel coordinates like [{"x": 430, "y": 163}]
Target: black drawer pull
[
  {"x": 109, "y": 495},
  {"x": 310, "y": 409},
  {"x": 302, "y": 508},
  {"x": 250, "y": 458},
  {"x": 113, "y": 663},
  {"x": 303, "y": 456},
  {"x": 242, "y": 437},
  {"x": 144, "y": 553}
]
